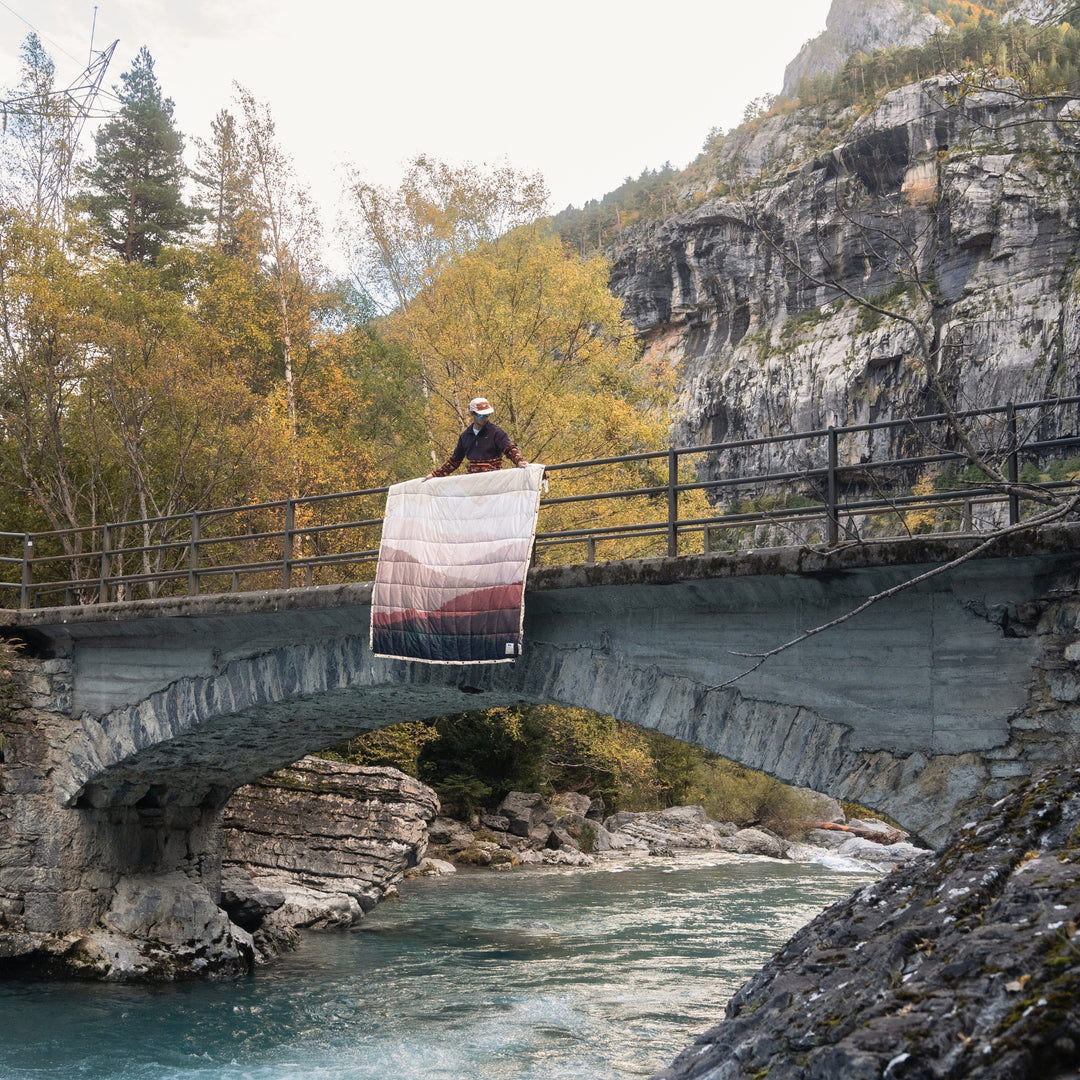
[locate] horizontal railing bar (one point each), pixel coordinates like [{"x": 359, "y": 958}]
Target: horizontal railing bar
[
  {"x": 562, "y": 500},
  {"x": 40, "y": 560},
  {"x": 335, "y": 557},
  {"x": 305, "y": 499},
  {"x": 1049, "y": 444},
  {"x": 645, "y": 455},
  {"x": 731, "y": 521},
  {"x": 876, "y": 425},
  {"x": 217, "y": 511},
  {"x": 183, "y": 542},
  {"x": 312, "y": 530}
]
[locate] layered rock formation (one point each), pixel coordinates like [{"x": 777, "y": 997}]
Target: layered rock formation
[
  {"x": 972, "y": 192},
  {"x": 320, "y": 843},
  {"x": 965, "y": 967}
]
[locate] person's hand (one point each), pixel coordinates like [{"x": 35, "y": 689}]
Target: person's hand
[
  {"x": 427, "y": 478},
  {"x": 522, "y": 464}
]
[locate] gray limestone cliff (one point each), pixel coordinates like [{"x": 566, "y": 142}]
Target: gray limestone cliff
[
  {"x": 968, "y": 966},
  {"x": 859, "y": 26},
  {"x": 854, "y": 26},
  {"x": 974, "y": 193}
]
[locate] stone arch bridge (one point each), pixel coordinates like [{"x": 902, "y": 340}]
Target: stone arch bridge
[{"x": 144, "y": 717}]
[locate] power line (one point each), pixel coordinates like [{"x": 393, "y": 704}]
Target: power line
[
  {"x": 70, "y": 109},
  {"x": 44, "y": 37}
]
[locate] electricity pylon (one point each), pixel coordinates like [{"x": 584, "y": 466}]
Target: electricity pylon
[{"x": 60, "y": 115}]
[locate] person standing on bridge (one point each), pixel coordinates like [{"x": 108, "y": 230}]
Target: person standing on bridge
[{"x": 482, "y": 444}]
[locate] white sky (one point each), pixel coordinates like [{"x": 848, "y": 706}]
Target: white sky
[{"x": 587, "y": 92}]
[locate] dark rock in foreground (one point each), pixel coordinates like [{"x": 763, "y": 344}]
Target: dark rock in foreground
[{"x": 965, "y": 967}]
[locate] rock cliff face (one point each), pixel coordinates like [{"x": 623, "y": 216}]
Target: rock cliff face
[
  {"x": 965, "y": 967},
  {"x": 976, "y": 195},
  {"x": 859, "y": 26}
]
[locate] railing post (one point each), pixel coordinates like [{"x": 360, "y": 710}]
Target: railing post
[
  {"x": 193, "y": 556},
  {"x": 1014, "y": 465},
  {"x": 103, "y": 582},
  {"x": 286, "y": 559},
  {"x": 26, "y": 590},
  {"x": 590, "y": 549},
  {"x": 673, "y": 502},
  {"x": 832, "y": 519}
]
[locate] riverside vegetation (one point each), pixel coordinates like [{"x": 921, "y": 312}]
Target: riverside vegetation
[
  {"x": 473, "y": 761},
  {"x": 560, "y": 786}
]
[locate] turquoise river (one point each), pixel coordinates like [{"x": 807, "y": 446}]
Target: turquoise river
[{"x": 605, "y": 973}]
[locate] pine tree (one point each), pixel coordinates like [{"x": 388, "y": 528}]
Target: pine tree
[
  {"x": 135, "y": 179},
  {"x": 226, "y": 190}
]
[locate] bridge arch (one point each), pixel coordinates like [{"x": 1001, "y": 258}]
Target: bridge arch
[{"x": 920, "y": 707}]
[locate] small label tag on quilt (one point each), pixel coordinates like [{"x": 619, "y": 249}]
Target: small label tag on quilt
[{"x": 511, "y": 648}]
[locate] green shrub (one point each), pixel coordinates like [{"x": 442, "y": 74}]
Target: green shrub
[
  {"x": 1066, "y": 469},
  {"x": 587, "y": 839},
  {"x": 462, "y": 796},
  {"x": 746, "y": 797}
]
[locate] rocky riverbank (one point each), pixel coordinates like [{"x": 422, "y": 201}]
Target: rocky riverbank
[
  {"x": 317, "y": 845},
  {"x": 967, "y": 965},
  {"x": 572, "y": 830}
]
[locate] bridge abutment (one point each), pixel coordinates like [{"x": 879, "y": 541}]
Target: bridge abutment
[{"x": 129, "y": 891}]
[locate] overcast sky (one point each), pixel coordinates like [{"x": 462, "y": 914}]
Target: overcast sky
[{"x": 587, "y": 92}]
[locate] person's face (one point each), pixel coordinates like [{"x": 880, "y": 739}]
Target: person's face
[{"x": 478, "y": 420}]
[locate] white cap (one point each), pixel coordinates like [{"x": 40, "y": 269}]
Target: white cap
[{"x": 480, "y": 406}]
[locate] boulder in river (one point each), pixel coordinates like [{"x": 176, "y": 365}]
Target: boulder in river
[{"x": 318, "y": 844}]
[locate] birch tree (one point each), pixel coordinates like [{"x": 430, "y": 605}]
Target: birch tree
[
  {"x": 38, "y": 154},
  {"x": 291, "y": 235},
  {"x": 400, "y": 239}
]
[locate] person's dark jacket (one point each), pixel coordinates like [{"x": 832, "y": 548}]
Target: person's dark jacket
[{"x": 483, "y": 450}]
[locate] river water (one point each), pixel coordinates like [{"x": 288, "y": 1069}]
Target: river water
[{"x": 605, "y": 973}]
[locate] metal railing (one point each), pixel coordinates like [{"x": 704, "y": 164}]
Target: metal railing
[{"x": 816, "y": 486}]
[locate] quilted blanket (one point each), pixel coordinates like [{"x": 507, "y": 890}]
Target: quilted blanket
[{"x": 450, "y": 584}]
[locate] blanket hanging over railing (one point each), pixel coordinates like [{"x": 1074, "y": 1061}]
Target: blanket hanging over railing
[{"x": 450, "y": 584}]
